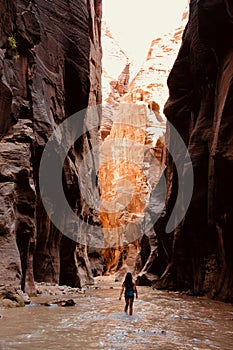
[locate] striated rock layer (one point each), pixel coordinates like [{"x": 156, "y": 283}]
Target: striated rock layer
[
  {"x": 198, "y": 254},
  {"x": 50, "y": 68}
]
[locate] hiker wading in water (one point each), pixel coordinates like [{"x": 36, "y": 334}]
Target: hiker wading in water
[{"x": 130, "y": 288}]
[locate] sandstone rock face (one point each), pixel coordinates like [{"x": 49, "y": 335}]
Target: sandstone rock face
[
  {"x": 150, "y": 83},
  {"x": 130, "y": 115},
  {"x": 114, "y": 60},
  {"x": 115, "y": 78},
  {"x": 148, "y": 88},
  {"x": 198, "y": 254},
  {"x": 130, "y": 166},
  {"x": 50, "y": 68}
]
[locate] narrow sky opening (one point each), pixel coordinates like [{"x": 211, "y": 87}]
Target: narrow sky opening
[{"x": 136, "y": 23}]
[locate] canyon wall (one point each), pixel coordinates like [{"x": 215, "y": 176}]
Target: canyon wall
[
  {"x": 150, "y": 83},
  {"x": 131, "y": 131},
  {"x": 50, "y": 68},
  {"x": 198, "y": 256},
  {"x": 115, "y": 77},
  {"x": 130, "y": 166},
  {"x": 132, "y": 106}
]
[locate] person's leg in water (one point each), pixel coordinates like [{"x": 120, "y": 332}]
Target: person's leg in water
[
  {"x": 131, "y": 306},
  {"x": 126, "y": 304}
]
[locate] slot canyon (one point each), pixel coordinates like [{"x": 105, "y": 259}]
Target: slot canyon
[{"x": 126, "y": 171}]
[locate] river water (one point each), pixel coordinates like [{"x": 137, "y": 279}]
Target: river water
[{"x": 161, "y": 320}]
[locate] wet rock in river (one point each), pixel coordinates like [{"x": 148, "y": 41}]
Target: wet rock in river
[
  {"x": 63, "y": 303},
  {"x": 10, "y": 298}
]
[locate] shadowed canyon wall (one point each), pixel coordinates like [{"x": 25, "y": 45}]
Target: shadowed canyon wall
[
  {"x": 50, "y": 68},
  {"x": 198, "y": 254}
]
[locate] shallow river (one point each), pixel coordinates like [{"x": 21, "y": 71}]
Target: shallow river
[{"x": 161, "y": 320}]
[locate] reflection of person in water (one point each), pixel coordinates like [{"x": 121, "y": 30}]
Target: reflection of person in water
[{"x": 130, "y": 288}]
